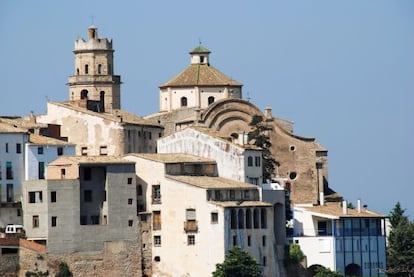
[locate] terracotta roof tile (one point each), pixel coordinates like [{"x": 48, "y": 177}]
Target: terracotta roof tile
[
  {"x": 200, "y": 75},
  {"x": 336, "y": 210},
  {"x": 207, "y": 182},
  {"x": 37, "y": 139},
  {"x": 90, "y": 160}
]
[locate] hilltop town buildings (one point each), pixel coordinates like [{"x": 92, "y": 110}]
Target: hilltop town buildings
[{"x": 184, "y": 179}]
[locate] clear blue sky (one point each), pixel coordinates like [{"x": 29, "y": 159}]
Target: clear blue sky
[{"x": 343, "y": 71}]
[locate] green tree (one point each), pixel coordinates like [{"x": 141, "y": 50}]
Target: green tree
[
  {"x": 64, "y": 270},
  {"x": 326, "y": 272},
  {"x": 295, "y": 253},
  {"x": 238, "y": 263},
  {"x": 259, "y": 136},
  {"x": 400, "y": 250}
]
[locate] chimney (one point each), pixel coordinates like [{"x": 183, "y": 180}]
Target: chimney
[
  {"x": 344, "y": 207},
  {"x": 321, "y": 199},
  {"x": 268, "y": 113},
  {"x": 359, "y": 205}
]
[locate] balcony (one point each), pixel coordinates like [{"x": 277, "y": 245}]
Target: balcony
[{"x": 190, "y": 226}]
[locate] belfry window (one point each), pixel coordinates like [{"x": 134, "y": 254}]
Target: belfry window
[
  {"x": 84, "y": 94},
  {"x": 183, "y": 101},
  {"x": 99, "y": 68},
  {"x": 86, "y": 69}
]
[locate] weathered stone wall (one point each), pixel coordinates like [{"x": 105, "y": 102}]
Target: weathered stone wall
[{"x": 121, "y": 258}]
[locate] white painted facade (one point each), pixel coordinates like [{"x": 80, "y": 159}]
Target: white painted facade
[
  {"x": 39, "y": 155},
  {"x": 232, "y": 158},
  {"x": 172, "y": 252},
  {"x": 200, "y": 85},
  {"x": 352, "y": 243}
]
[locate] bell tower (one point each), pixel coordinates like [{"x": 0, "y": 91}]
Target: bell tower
[{"x": 94, "y": 82}]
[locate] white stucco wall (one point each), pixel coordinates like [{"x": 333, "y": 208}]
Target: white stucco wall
[{"x": 231, "y": 159}]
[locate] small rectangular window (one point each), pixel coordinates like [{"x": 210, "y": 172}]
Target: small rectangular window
[
  {"x": 40, "y": 150},
  {"x": 9, "y": 171},
  {"x": 214, "y": 217},
  {"x": 87, "y": 173},
  {"x": 149, "y": 135},
  {"x": 18, "y": 148},
  {"x": 104, "y": 195},
  {"x": 249, "y": 240},
  {"x": 41, "y": 170},
  {"x": 264, "y": 240},
  {"x": 103, "y": 151},
  {"x": 53, "y": 196},
  {"x": 60, "y": 151},
  {"x": 156, "y": 220},
  {"x": 87, "y": 195},
  {"x": 129, "y": 181},
  {"x": 157, "y": 240},
  {"x": 54, "y": 221},
  {"x": 130, "y": 223},
  {"x": 191, "y": 239},
  {"x": 83, "y": 220},
  {"x": 10, "y": 193},
  {"x": 156, "y": 194},
  {"x": 7, "y": 147},
  {"x": 35, "y": 197},
  {"x": 63, "y": 173},
  {"x": 234, "y": 240},
  {"x": 84, "y": 151},
  {"x": 19, "y": 212},
  {"x": 257, "y": 161},
  {"x": 129, "y": 201},
  {"x": 35, "y": 221},
  {"x": 264, "y": 261}
]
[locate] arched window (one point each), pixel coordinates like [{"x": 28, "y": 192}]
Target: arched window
[
  {"x": 86, "y": 69},
  {"x": 210, "y": 100},
  {"x": 249, "y": 161},
  {"x": 233, "y": 219},
  {"x": 240, "y": 223},
  {"x": 256, "y": 218},
  {"x": 84, "y": 94},
  {"x": 263, "y": 218},
  {"x": 248, "y": 219},
  {"x": 183, "y": 101},
  {"x": 99, "y": 68}
]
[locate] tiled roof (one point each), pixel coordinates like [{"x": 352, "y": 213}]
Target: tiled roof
[
  {"x": 207, "y": 182},
  {"x": 8, "y": 128},
  {"x": 200, "y": 50},
  {"x": 228, "y": 204},
  {"x": 336, "y": 210},
  {"x": 200, "y": 75},
  {"x": 90, "y": 160},
  {"x": 27, "y": 122},
  {"x": 118, "y": 115},
  {"x": 37, "y": 139},
  {"x": 173, "y": 158}
]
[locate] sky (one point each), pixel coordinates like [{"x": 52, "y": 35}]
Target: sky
[{"x": 342, "y": 71}]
